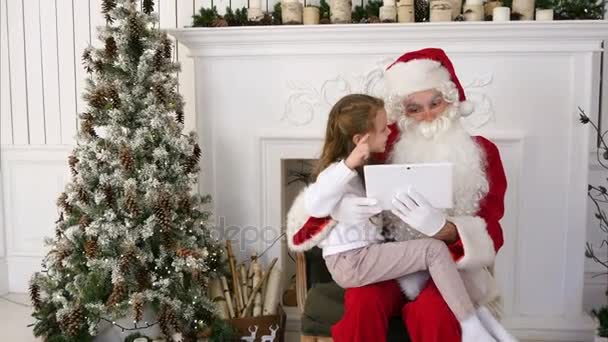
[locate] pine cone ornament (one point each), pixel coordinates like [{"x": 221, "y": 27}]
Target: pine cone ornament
[
  {"x": 158, "y": 60},
  {"x": 82, "y": 195},
  {"x": 84, "y": 222},
  {"x": 127, "y": 260},
  {"x": 62, "y": 202},
  {"x": 91, "y": 249},
  {"x": 134, "y": 26},
  {"x": 192, "y": 162},
  {"x": 219, "y": 22},
  {"x": 186, "y": 252},
  {"x": 167, "y": 321},
  {"x": 109, "y": 193},
  {"x": 196, "y": 152},
  {"x": 148, "y": 6},
  {"x": 159, "y": 92},
  {"x": 167, "y": 240},
  {"x": 86, "y": 125},
  {"x": 72, "y": 161},
  {"x": 35, "y": 296},
  {"x": 61, "y": 254},
  {"x": 98, "y": 65},
  {"x": 97, "y": 98},
  {"x": 126, "y": 159},
  {"x": 143, "y": 280},
  {"x": 166, "y": 44},
  {"x": 106, "y": 7},
  {"x": 111, "y": 49},
  {"x": 131, "y": 203},
  {"x": 138, "y": 308},
  {"x": 112, "y": 95},
  {"x": 74, "y": 320},
  {"x": 87, "y": 60},
  {"x": 185, "y": 204},
  {"x": 179, "y": 113},
  {"x": 162, "y": 211},
  {"x": 118, "y": 294}
]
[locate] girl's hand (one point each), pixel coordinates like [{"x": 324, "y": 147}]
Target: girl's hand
[{"x": 360, "y": 154}]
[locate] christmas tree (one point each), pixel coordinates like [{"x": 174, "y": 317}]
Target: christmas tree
[{"x": 131, "y": 234}]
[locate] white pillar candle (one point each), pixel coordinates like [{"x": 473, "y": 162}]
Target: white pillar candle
[
  {"x": 490, "y": 6},
  {"x": 388, "y": 3},
  {"x": 501, "y": 14},
  {"x": 473, "y": 10},
  {"x": 525, "y": 8},
  {"x": 255, "y": 4},
  {"x": 291, "y": 12},
  {"x": 544, "y": 14},
  {"x": 311, "y": 15},
  {"x": 341, "y": 11},
  {"x": 405, "y": 13},
  {"x": 456, "y": 8},
  {"x": 388, "y": 14},
  {"x": 440, "y": 10}
]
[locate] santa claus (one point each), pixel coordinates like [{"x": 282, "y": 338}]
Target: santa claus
[{"x": 425, "y": 100}]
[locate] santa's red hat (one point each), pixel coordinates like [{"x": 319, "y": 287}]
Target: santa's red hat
[{"x": 422, "y": 70}]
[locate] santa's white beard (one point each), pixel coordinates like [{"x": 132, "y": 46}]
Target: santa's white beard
[{"x": 445, "y": 140}]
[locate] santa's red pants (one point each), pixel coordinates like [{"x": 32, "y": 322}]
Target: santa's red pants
[{"x": 368, "y": 309}]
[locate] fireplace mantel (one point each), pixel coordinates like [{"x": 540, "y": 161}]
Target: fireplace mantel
[
  {"x": 516, "y": 36},
  {"x": 263, "y": 95}
]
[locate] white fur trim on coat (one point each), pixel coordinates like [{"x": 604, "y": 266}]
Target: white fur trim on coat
[
  {"x": 416, "y": 75},
  {"x": 413, "y": 283},
  {"x": 478, "y": 245},
  {"x": 296, "y": 217}
]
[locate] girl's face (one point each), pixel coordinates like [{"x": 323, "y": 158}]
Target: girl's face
[{"x": 379, "y": 134}]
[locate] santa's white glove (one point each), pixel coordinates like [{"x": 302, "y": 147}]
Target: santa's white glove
[
  {"x": 352, "y": 209},
  {"x": 413, "y": 209}
]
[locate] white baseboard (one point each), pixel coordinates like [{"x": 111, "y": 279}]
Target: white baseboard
[
  {"x": 546, "y": 328},
  {"x": 21, "y": 269},
  {"x": 3, "y": 277}
]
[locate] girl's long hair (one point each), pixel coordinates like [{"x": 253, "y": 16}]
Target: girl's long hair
[{"x": 351, "y": 115}]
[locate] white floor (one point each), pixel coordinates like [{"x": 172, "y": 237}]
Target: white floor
[{"x": 15, "y": 314}]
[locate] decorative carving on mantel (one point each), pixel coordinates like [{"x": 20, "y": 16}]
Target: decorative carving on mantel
[{"x": 307, "y": 101}]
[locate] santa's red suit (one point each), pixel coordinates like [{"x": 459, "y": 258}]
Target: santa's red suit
[{"x": 427, "y": 317}]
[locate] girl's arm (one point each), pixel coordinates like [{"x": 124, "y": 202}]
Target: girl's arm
[{"x": 323, "y": 195}]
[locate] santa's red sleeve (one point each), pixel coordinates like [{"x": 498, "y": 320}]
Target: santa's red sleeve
[{"x": 480, "y": 236}]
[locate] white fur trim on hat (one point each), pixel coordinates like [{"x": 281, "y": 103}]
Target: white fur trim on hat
[
  {"x": 405, "y": 78},
  {"x": 477, "y": 243},
  {"x": 466, "y": 108}
]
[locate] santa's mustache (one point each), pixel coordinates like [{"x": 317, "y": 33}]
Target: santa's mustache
[{"x": 430, "y": 129}]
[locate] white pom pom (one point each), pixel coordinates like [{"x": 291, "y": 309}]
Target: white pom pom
[{"x": 466, "y": 108}]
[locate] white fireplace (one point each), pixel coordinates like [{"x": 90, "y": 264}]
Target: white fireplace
[{"x": 263, "y": 94}]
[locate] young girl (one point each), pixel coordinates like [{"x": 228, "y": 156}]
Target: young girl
[{"x": 356, "y": 128}]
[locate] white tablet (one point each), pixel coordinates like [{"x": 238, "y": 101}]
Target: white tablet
[{"x": 433, "y": 181}]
